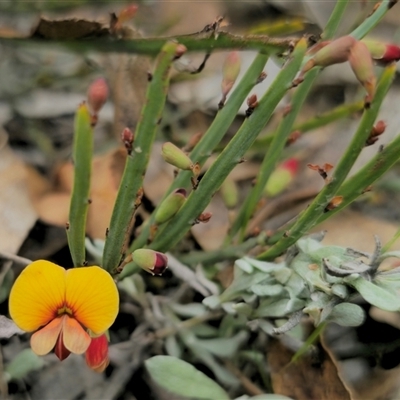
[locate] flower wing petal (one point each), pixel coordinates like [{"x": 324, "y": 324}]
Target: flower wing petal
[
  {"x": 44, "y": 340},
  {"x": 37, "y": 294},
  {"x": 92, "y": 296},
  {"x": 75, "y": 338}
]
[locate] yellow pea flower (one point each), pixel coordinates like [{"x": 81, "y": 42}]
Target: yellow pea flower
[{"x": 62, "y": 306}]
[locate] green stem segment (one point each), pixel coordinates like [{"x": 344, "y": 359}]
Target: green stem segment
[
  {"x": 129, "y": 193},
  {"x": 212, "y": 137},
  {"x": 334, "y": 20},
  {"x": 373, "y": 19},
  {"x": 342, "y": 111},
  {"x": 317, "y": 208},
  {"x": 231, "y": 155},
  {"x": 82, "y": 158}
]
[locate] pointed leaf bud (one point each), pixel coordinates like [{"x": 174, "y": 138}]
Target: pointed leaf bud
[
  {"x": 170, "y": 206},
  {"x": 293, "y": 137},
  {"x": 204, "y": 217},
  {"x": 378, "y": 128},
  {"x": 127, "y": 138},
  {"x": 180, "y": 50},
  {"x": 175, "y": 156},
  {"x": 97, "y": 94},
  {"x": 361, "y": 63},
  {"x": 151, "y": 261},
  {"x": 334, "y": 203},
  {"x": 252, "y": 103},
  {"x": 281, "y": 178},
  {"x": 376, "y": 131},
  {"x": 230, "y": 72},
  {"x": 126, "y": 15},
  {"x": 383, "y": 52},
  {"x": 97, "y": 353}
]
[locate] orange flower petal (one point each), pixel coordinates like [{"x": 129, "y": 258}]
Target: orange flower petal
[
  {"x": 37, "y": 294},
  {"x": 93, "y": 297},
  {"x": 44, "y": 340},
  {"x": 75, "y": 338}
]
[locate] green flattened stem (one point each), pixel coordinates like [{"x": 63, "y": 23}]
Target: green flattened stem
[
  {"x": 212, "y": 137},
  {"x": 82, "y": 158},
  {"x": 231, "y": 155},
  {"x": 316, "y": 209},
  {"x": 129, "y": 193}
]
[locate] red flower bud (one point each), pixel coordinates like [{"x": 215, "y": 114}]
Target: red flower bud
[
  {"x": 384, "y": 53},
  {"x": 151, "y": 261}
]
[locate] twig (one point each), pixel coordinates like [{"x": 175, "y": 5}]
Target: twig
[
  {"x": 186, "y": 274},
  {"x": 17, "y": 259},
  {"x": 249, "y": 386},
  {"x": 187, "y": 324}
]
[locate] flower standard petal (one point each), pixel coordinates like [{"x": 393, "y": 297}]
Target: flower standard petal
[
  {"x": 92, "y": 296},
  {"x": 44, "y": 340},
  {"x": 37, "y": 294},
  {"x": 75, "y": 338}
]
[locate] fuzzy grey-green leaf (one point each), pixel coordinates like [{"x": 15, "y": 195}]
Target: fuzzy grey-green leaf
[
  {"x": 376, "y": 295},
  {"x": 347, "y": 314},
  {"x": 181, "y": 378}
]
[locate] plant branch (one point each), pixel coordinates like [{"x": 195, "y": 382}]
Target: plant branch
[
  {"x": 230, "y": 156},
  {"x": 317, "y": 208}
]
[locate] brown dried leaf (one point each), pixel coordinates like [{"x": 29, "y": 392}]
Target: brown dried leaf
[
  {"x": 17, "y": 214},
  {"x": 69, "y": 29},
  {"x": 307, "y": 378}
]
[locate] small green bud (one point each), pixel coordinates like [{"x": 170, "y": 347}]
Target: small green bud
[
  {"x": 230, "y": 193},
  {"x": 151, "y": 261},
  {"x": 175, "y": 156},
  {"x": 170, "y": 206},
  {"x": 281, "y": 178}
]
